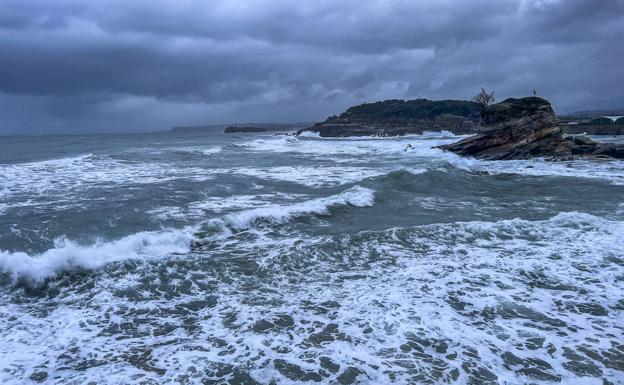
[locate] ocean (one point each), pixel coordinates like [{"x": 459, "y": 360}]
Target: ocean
[{"x": 209, "y": 258}]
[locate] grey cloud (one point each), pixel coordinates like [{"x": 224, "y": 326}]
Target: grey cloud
[{"x": 71, "y": 65}]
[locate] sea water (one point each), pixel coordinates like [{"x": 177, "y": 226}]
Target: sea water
[{"x": 273, "y": 259}]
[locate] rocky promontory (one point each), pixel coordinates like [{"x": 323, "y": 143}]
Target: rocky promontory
[
  {"x": 399, "y": 117},
  {"x": 525, "y": 128},
  {"x": 235, "y": 129}
]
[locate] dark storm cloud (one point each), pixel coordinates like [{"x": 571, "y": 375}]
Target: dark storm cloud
[{"x": 142, "y": 65}]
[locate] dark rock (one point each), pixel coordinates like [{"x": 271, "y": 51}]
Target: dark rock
[
  {"x": 582, "y": 149},
  {"x": 525, "y": 128},
  {"x": 610, "y": 150}
]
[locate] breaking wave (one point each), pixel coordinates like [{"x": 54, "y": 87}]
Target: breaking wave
[
  {"x": 279, "y": 214},
  {"x": 68, "y": 255}
]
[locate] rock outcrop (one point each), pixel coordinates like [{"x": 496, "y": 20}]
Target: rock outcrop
[
  {"x": 399, "y": 117},
  {"x": 525, "y": 128}
]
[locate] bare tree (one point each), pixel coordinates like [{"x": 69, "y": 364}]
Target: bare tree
[{"x": 484, "y": 98}]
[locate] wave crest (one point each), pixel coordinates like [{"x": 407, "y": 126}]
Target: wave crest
[
  {"x": 68, "y": 255},
  {"x": 279, "y": 214}
]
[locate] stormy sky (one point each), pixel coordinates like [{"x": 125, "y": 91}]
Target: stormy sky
[{"x": 144, "y": 65}]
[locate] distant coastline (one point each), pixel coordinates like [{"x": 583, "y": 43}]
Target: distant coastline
[
  {"x": 243, "y": 127},
  {"x": 592, "y": 129}
]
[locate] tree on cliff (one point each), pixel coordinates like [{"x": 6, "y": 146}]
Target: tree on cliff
[{"x": 484, "y": 98}]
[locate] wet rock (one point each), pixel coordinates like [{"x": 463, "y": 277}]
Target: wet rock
[
  {"x": 609, "y": 150},
  {"x": 526, "y": 128}
]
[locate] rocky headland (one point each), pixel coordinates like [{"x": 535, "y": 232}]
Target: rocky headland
[
  {"x": 525, "y": 128},
  {"x": 399, "y": 117},
  {"x": 237, "y": 129},
  {"x": 242, "y": 128}
]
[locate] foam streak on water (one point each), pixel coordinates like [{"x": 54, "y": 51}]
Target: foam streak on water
[{"x": 262, "y": 259}]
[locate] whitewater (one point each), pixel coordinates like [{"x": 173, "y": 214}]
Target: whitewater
[{"x": 210, "y": 258}]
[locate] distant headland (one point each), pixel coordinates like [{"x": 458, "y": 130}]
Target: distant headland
[
  {"x": 242, "y": 128},
  {"x": 400, "y": 117}
]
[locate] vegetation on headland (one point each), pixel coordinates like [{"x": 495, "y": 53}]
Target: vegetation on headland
[
  {"x": 484, "y": 98},
  {"x": 397, "y": 109},
  {"x": 397, "y": 117}
]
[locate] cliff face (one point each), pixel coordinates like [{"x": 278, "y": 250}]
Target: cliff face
[
  {"x": 400, "y": 117},
  {"x": 525, "y": 128}
]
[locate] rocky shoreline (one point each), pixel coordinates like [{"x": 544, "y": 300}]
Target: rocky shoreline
[{"x": 526, "y": 128}]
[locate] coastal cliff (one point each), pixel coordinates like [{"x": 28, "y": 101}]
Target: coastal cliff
[
  {"x": 399, "y": 117},
  {"x": 525, "y": 128}
]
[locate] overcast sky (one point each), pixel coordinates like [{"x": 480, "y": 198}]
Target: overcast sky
[{"x": 98, "y": 66}]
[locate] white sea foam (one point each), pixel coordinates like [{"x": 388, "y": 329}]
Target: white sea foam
[
  {"x": 418, "y": 145},
  {"x": 309, "y": 134},
  {"x": 69, "y": 255},
  {"x": 313, "y": 176},
  {"x": 201, "y": 150},
  {"x": 610, "y": 170},
  {"x": 197, "y": 210},
  {"x": 421, "y": 147},
  {"x": 63, "y": 180},
  {"x": 278, "y": 214},
  {"x": 439, "y": 303},
  {"x": 212, "y": 150}
]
